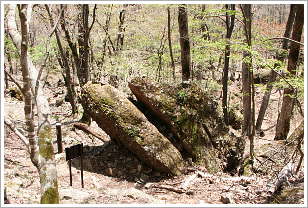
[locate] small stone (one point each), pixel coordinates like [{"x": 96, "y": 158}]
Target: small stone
[
  {"x": 108, "y": 171},
  {"x": 190, "y": 193},
  {"x": 148, "y": 185},
  {"x": 67, "y": 197},
  {"x": 73, "y": 195},
  {"x": 227, "y": 199}
]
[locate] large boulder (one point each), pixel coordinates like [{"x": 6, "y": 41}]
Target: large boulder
[
  {"x": 194, "y": 119},
  {"x": 124, "y": 123}
]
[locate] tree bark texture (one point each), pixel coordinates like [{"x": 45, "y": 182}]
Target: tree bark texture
[
  {"x": 297, "y": 134},
  {"x": 246, "y": 72},
  {"x": 273, "y": 76},
  {"x": 247, "y": 82},
  {"x": 229, "y": 27},
  {"x": 170, "y": 44},
  {"x": 83, "y": 42},
  {"x": 184, "y": 42},
  {"x": 41, "y": 149},
  {"x": 283, "y": 122}
]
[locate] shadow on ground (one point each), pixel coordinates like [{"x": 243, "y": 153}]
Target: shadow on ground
[{"x": 116, "y": 161}]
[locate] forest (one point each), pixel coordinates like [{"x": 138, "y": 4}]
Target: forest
[{"x": 152, "y": 104}]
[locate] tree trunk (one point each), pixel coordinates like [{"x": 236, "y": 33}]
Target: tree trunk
[
  {"x": 6, "y": 80},
  {"x": 247, "y": 81},
  {"x": 273, "y": 76},
  {"x": 71, "y": 93},
  {"x": 160, "y": 53},
  {"x": 184, "y": 42},
  {"x": 81, "y": 56},
  {"x": 283, "y": 122},
  {"x": 106, "y": 29},
  {"x": 229, "y": 27},
  {"x": 83, "y": 42},
  {"x": 297, "y": 134},
  {"x": 121, "y": 30},
  {"x": 246, "y": 71},
  {"x": 170, "y": 44},
  {"x": 41, "y": 149}
]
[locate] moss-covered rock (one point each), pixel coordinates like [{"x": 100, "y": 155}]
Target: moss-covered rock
[
  {"x": 123, "y": 122},
  {"x": 194, "y": 118}
]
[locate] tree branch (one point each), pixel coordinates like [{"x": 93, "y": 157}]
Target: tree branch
[
  {"x": 89, "y": 130},
  {"x": 56, "y": 24},
  {"x": 13, "y": 128},
  {"x": 296, "y": 100},
  {"x": 93, "y": 20},
  {"x": 284, "y": 38},
  {"x": 13, "y": 80}
]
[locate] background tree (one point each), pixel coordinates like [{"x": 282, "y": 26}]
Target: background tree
[
  {"x": 170, "y": 43},
  {"x": 184, "y": 42},
  {"x": 121, "y": 30},
  {"x": 80, "y": 49},
  {"x": 145, "y": 54},
  {"x": 247, "y": 79},
  {"x": 280, "y": 58},
  {"x": 229, "y": 27},
  {"x": 64, "y": 63},
  {"x": 283, "y": 122}
]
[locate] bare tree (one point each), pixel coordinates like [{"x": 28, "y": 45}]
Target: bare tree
[
  {"x": 40, "y": 139},
  {"x": 170, "y": 44},
  {"x": 229, "y": 27},
  {"x": 280, "y": 57},
  {"x": 80, "y": 49},
  {"x": 283, "y": 122},
  {"x": 160, "y": 53},
  {"x": 107, "y": 35},
  {"x": 64, "y": 63},
  {"x": 247, "y": 80},
  {"x": 121, "y": 30},
  {"x": 184, "y": 42}
]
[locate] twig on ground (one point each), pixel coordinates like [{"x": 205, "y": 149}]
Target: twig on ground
[
  {"x": 169, "y": 188},
  {"x": 89, "y": 130}
]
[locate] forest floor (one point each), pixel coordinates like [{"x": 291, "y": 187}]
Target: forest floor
[{"x": 113, "y": 175}]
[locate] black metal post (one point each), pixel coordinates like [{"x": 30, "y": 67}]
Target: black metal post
[
  {"x": 70, "y": 167},
  {"x": 59, "y": 137},
  {"x": 81, "y": 165}
]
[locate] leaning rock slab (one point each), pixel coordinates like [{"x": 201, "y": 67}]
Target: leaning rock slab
[
  {"x": 193, "y": 117},
  {"x": 123, "y": 122}
]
